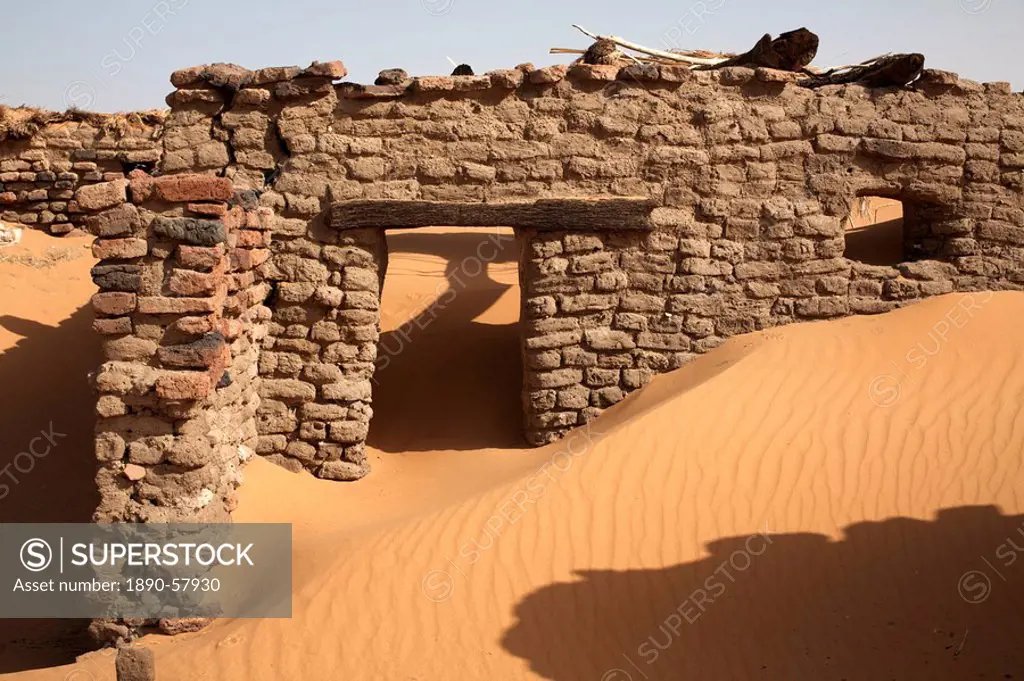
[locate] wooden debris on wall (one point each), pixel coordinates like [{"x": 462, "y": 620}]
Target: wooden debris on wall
[
  {"x": 891, "y": 70},
  {"x": 791, "y": 51}
]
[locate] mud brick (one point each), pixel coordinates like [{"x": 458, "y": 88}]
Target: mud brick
[
  {"x": 676, "y": 74},
  {"x": 287, "y": 390},
  {"x": 117, "y": 221},
  {"x": 509, "y": 79},
  {"x": 129, "y": 348},
  {"x": 559, "y": 378},
  {"x": 184, "y": 385},
  {"x": 99, "y": 196},
  {"x": 342, "y": 470},
  {"x": 348, "y": 391},
  {"x": 119, "y": 249},
  {"x": 594, "y": 71},
  {"x": 329, "y": 69},
  {"x": 549, "y": 74},
  {"x": 114, "y": 304},
  {"x": 349, "y": 432},
  {"x": 274, "y": 74},
  {"x": 135, "y": 664},
  {"x": 197, "y": 325},
  {"x": 303, "y": 87},
  {"x": 112, "y": 327},
  {"x": 162, "y": 305}
]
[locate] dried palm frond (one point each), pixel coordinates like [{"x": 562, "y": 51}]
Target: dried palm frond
[{"x": 23, "y": 122}]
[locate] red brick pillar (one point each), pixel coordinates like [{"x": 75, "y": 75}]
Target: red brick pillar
[{"x": 180, "y": 311}]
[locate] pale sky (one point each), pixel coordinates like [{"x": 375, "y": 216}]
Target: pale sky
[{"x": 115, "y": 55}]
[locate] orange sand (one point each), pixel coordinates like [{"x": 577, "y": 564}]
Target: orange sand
[{"x": 800, "y": 504}]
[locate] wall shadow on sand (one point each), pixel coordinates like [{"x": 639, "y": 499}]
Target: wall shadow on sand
[
  {"x": 44, "y": 381},
  {"x": 890, "y": 600},
  {"x": 443, "y": 380}
]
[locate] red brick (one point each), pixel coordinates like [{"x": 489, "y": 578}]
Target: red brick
[
  {"x": 119, "y": 249},
  {"x": 190, "y": 283},
  {"x": 232, "y": 328},
  {"x": 244, "y": 259},
  {"x": 114, "y": 304},
  {"x": 200, "y": 257},
  {"x": 234, "y": 219},
  {"x": 141, "y": 187},
  {"x": 208, "y": 209},
  {"x": 247, "y": 238},
  {"x": 188, "y": 188},
  {"x": 184, "y": 385},
  {"x": 242, "y": 280}
]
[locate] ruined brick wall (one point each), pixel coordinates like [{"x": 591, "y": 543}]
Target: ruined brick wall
[
  {"x": 751, "y": 176},
  {"x": 39, "y": 174}
]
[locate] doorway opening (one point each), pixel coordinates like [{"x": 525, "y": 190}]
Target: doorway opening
[
  {"x": 449, "y": 370},
  {"x": 875, "y": 231}
]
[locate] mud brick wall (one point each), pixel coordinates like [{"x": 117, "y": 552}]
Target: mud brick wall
[
  {"x": 180, "y": 312},
  {"x": 40, "y": 175},
  {"x": 751, "y": 180},
  {"x": 318, "y": 359}
]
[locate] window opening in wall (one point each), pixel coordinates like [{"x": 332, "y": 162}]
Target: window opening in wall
[
  {"x": 448, "y": 371},
  {"x": 875, "y": 231}
]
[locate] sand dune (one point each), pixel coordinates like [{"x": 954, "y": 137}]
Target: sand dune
[{"x": 802, "y": 503}]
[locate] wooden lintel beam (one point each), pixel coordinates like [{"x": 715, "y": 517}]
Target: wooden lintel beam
[{"x": 546, "y": 214}]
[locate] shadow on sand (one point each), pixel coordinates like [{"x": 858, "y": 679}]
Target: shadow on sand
[
  {"x": 45, "y": 388},
  {"x": 443, "y": 380},
  {"x": 900, "y": 599}
]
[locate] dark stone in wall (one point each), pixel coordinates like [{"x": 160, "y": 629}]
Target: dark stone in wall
[{"x": 191, "y": 230}]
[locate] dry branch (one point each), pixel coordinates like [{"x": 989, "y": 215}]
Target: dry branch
[{"x": 661, "y": 54}]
